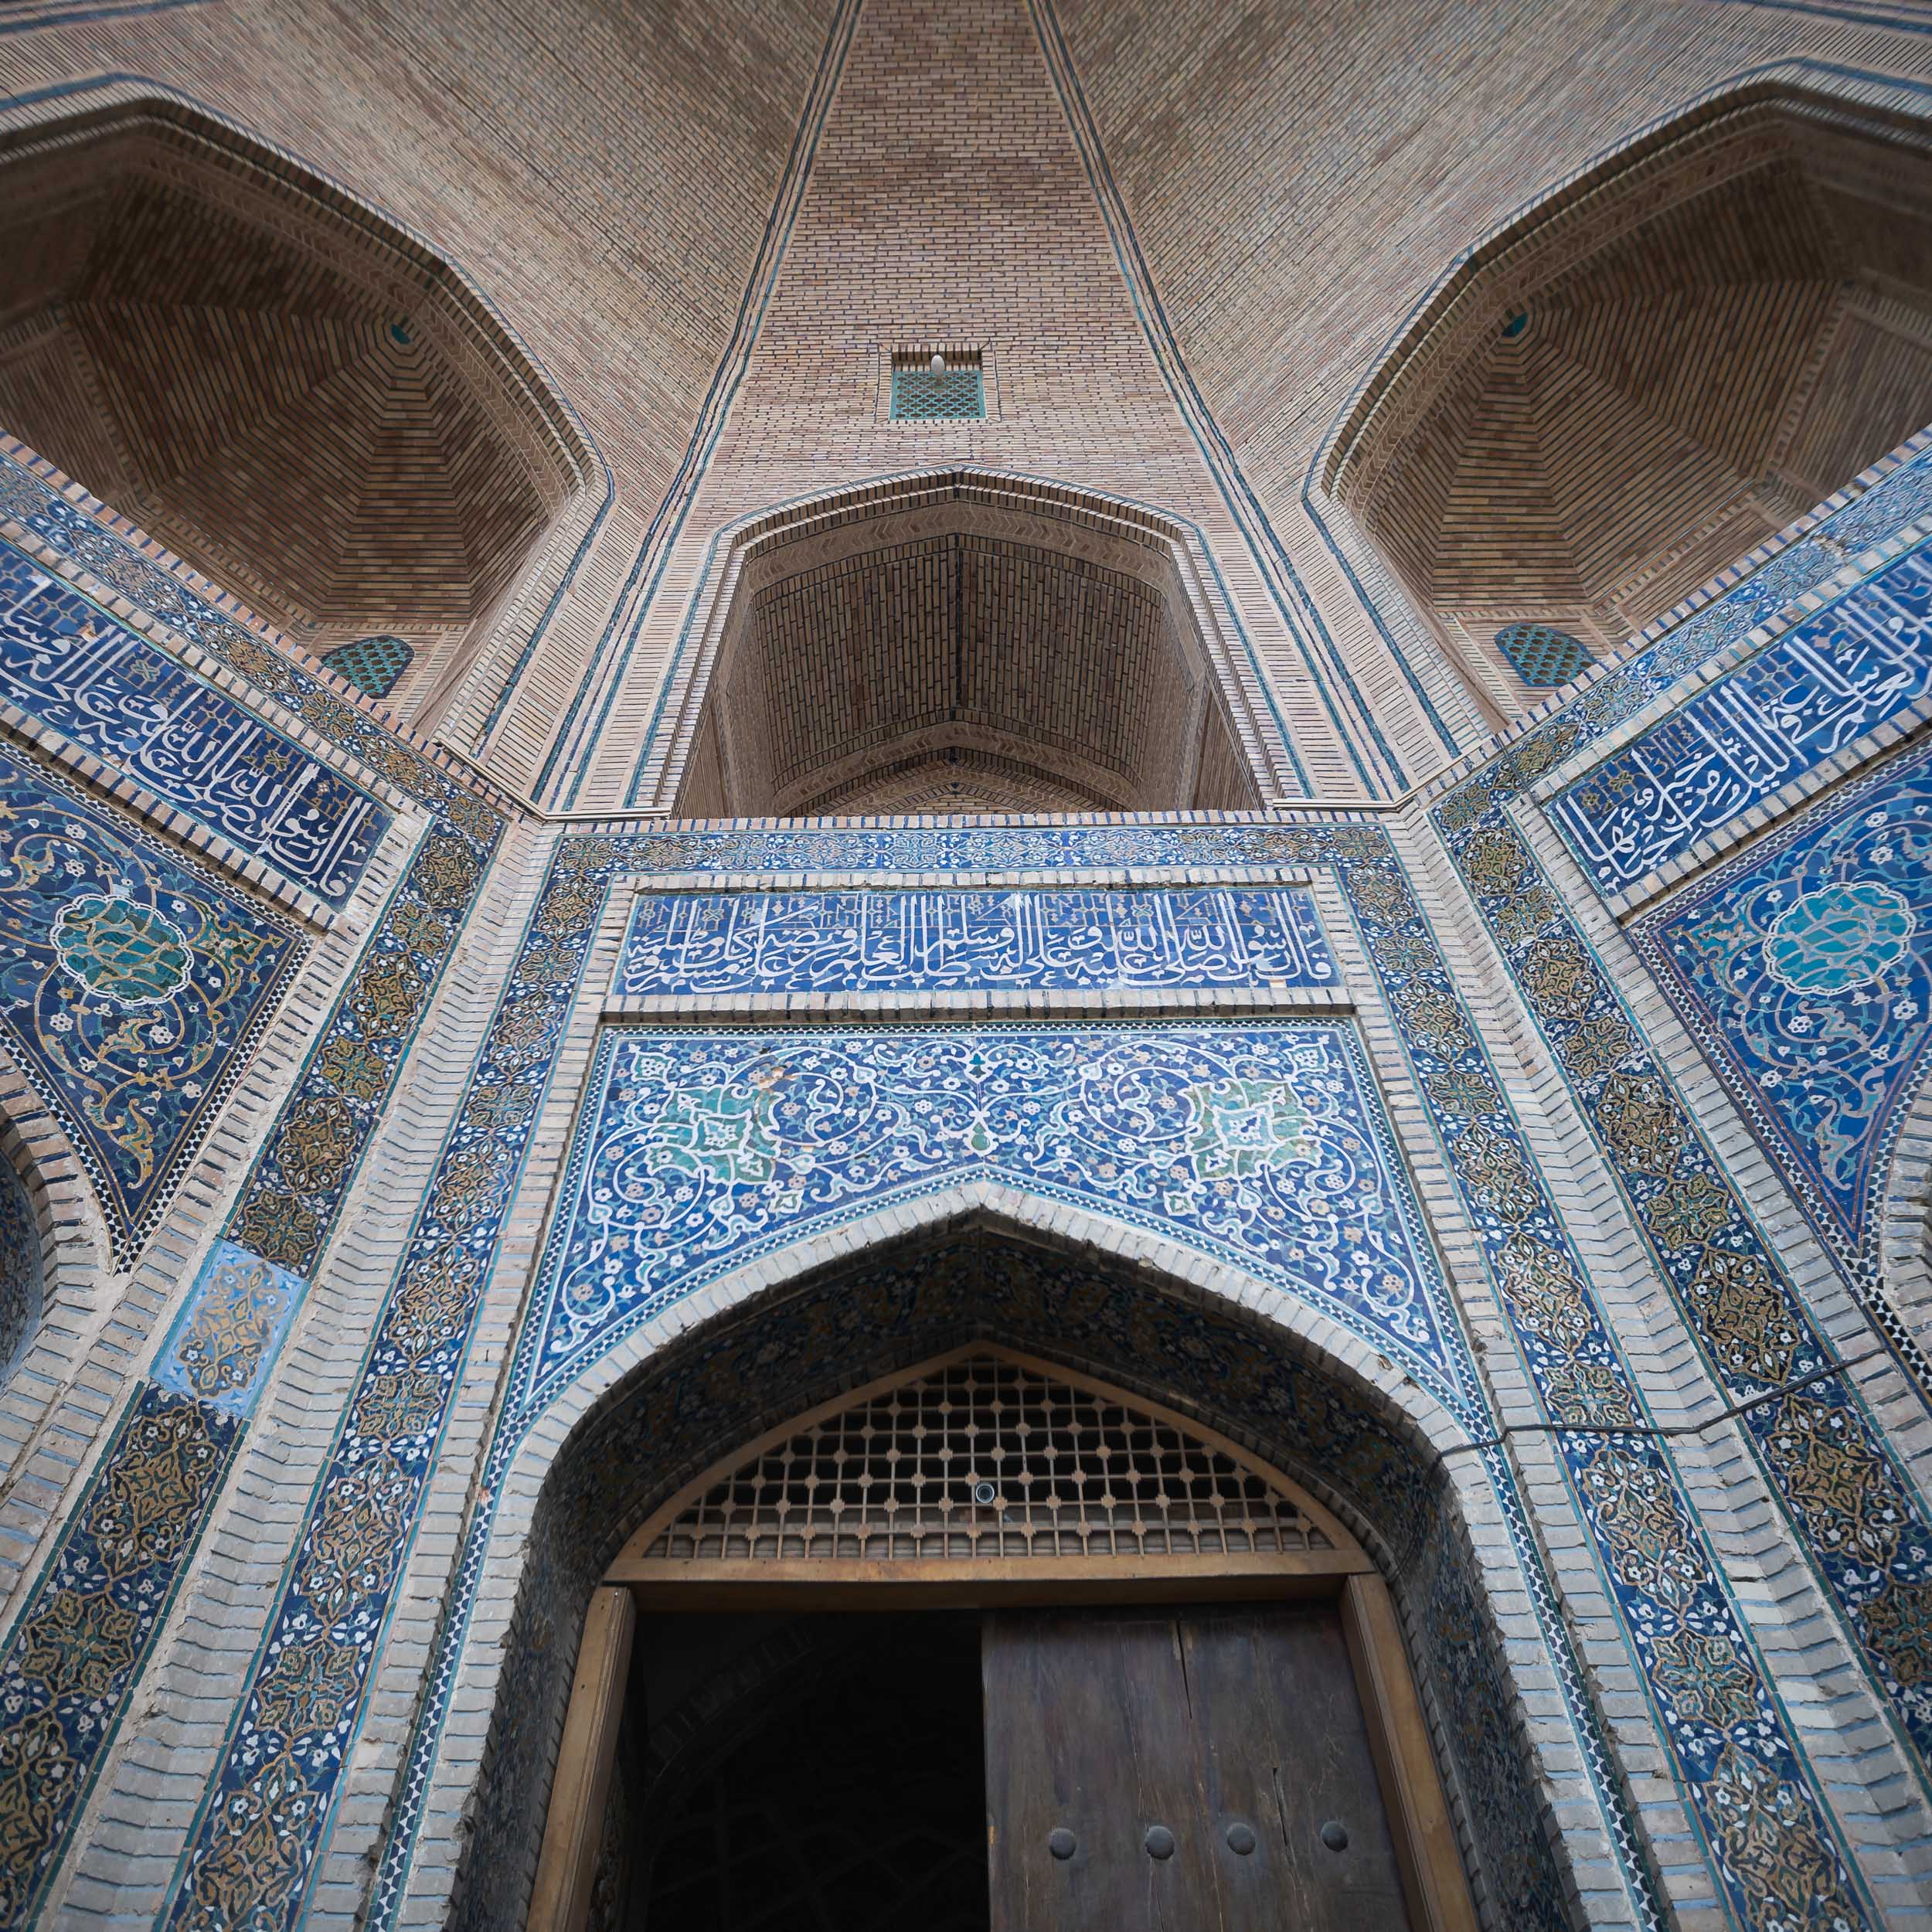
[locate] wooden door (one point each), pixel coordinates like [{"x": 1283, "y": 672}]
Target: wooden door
[{"x": 1177, "y": 1770}]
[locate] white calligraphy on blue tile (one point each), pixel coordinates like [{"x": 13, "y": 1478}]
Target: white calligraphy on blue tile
[
  {"x": 1816, "y": 689},
  {"x": 875, "y": 941},
  {"x": 72, "y": 667}
]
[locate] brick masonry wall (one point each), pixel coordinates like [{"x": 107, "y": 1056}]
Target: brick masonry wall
[{"x": 1295, "y": 187}]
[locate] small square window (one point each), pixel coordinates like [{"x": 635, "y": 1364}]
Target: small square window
[{"x": 955, "y": 392}]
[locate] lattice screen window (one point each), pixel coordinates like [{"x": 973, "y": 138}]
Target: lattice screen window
[
  {"x": 954, "y": 389},
  {"x": 1543, "y": 657},
  {"x": 988, "y": 1457},
  {"x": 371, "y": 663}
]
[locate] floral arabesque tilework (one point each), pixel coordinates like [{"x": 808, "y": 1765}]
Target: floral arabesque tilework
[
  {"x": 1804, "y": 968},
  {"x": 1262, "y": 1144},
  {"x": 134, "y": 985}
]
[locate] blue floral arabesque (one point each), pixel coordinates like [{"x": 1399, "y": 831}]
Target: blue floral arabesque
[
  {"x": 1264, "y": 1146},
  {"x": 89, "y": 1624},
  {"x": 1804, "y": 968},
  {"x": 133, "y": 984},
  {"x": 502, "y": 1100}
]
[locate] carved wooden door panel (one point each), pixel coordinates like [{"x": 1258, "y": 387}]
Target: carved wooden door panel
[{"x": 1197, "y": 1770}]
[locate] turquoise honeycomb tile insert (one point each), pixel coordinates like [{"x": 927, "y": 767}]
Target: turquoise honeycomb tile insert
[
  {"x": 1542, "y": 656},
  {"x": 372, "y": 664},
  {"x": 924, "y": 395}
]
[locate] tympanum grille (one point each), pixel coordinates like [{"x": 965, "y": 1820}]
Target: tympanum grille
[{"x": 986, "y": 1458}]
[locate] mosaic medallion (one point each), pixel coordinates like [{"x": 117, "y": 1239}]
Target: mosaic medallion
[
  {"x": 130, "y": 954},
  {"x": 1846, "y": 934}
]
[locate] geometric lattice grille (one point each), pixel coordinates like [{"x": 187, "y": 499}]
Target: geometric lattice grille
[
  {"x": 987, "y": 1458},
  {"x": 371, "y": 663},
  {"x": 1543, "y": 657},
  {"x": 920, "y": 395}
]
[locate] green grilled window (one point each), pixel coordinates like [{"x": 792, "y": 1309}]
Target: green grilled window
[
  {"x": 1544, "y": 658},
  {"x": 371, "y": 663},
  {"x": 921, "y": 395}
]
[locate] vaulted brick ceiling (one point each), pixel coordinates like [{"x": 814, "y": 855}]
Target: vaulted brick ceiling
[
  {"x": 295, "y": 435},
  {"x": 959, "y": 672},
  {"x": 1653, "y": 410}
]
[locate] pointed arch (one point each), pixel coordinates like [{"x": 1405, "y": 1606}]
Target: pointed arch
[
  {"x": 300, "y": 398},
  {"x": 878, "y": 648},
  {"x": 1650, "y": 370},
  {"x": 809, "y": 1326}
]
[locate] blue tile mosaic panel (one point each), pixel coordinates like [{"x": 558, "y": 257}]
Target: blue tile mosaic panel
[
  {"x": 881, "y": 941},
  {"x": 224, "y": 1341},
  {"x": 1774, "y": 1853},
  {"x": 1264, "y": 1144},
  {"x": 74, "y": 1654},
  {"x": 1858, "y": 662},
  {"x": 1805, "y": 969},
  {"x": 64, "y": 1670},
  {"x": 133, "y": 984},
  {"x": 66, "y": 662},
  {"x": 1850, "y": 1505}
]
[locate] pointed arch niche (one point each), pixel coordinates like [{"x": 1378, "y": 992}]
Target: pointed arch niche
[
  {"x": 799, "y": 1452},
  {"x": 1655, "y": 368},
  {"x": 960, "y": 641},
  {"x": 299, "y": 399}
]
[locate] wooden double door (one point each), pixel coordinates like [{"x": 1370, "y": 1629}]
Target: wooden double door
[{"x": 1196, "y": 1769}]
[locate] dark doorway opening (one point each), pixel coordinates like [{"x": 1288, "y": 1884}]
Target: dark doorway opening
[
  {"x": 1080, "y": 1770},
  {"x": 835, "y": 1780}
]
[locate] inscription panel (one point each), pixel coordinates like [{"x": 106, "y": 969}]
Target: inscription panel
[
  {"x": 836, "y": 941},
  {"x": 1824, "y": 684},
  {"x": 68, "y": 664}
]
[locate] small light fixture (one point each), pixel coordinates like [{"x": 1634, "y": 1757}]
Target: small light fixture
[{"x": 938, "y": 365}]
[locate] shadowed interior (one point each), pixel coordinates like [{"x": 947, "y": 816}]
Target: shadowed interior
[
  {"x": 1652, "y": 382},
  {"x": 259, "y": 385}
]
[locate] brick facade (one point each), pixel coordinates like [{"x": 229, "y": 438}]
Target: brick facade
[{"x": 1104, "y": 890}]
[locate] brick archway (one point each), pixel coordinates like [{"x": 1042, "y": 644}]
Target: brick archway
[
  {"x": 1651, "y": 370},
  {"x": 303, "y": 401},
  {"x": 961, "y": 641}
]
